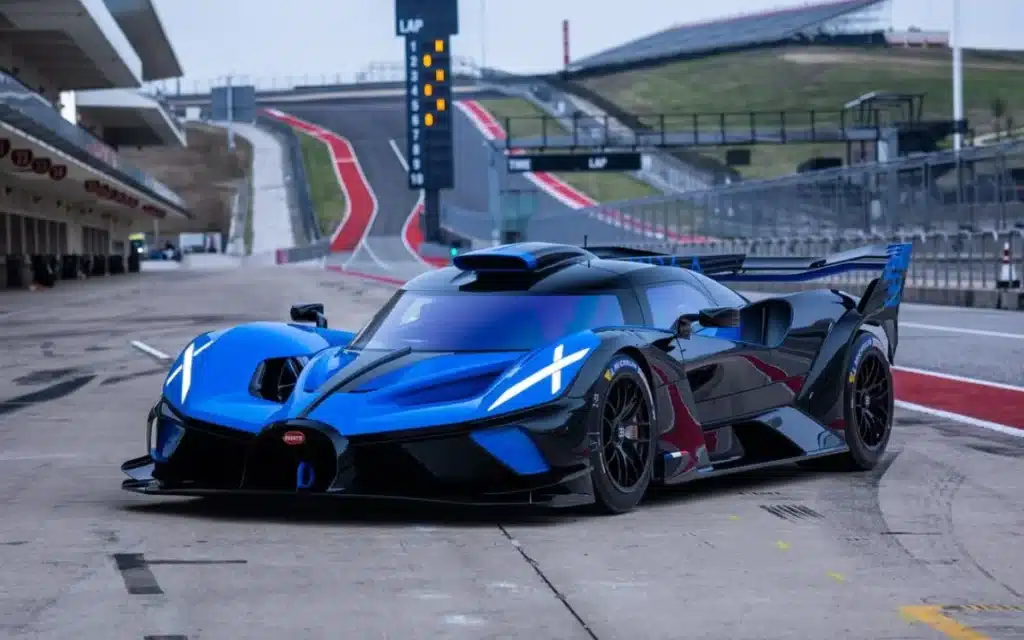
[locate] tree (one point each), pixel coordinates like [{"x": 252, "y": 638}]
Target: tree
[{"x": 999, "y": 110}]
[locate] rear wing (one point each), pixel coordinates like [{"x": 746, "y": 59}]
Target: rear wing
[
  {"x": 878, "y": 306},
  {"x": 739, "y": 267}
]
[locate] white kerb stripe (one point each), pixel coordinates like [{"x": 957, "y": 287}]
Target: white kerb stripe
[{"x": 553, "y": 369}]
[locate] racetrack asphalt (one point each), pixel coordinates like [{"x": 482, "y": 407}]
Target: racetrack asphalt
[{"x": 783, "y": 554}]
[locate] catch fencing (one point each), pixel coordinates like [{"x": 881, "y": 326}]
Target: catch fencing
[
  {"x": 979, "y": 189},
  {"x": 952, "y": 261},
  {"x": 955, "y": 260}
]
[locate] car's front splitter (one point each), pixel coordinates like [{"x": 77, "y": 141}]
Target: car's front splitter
[{"x": 569, "y": 491}]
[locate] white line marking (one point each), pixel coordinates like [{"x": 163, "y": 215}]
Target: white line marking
[
  {"x": 398, "y": 154},
  {"x": 150, "y": 351},
  {"x": 410, "y": 218},
  {"x": 949, "y": 376},
  {"x": 970, "y": 332},
  {"x": 956, "y": 417},
  {"x": 23, "y": 457}
]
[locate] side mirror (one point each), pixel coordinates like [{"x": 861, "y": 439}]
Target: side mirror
[
  {"x": 309, "y": 313},
  {"x": 719, "y": 317}
]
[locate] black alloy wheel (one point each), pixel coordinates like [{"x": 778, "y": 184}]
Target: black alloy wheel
[
  {"x": 625, "y": 434},
  {"x": 873, "y": 401},
  {"x": 624, "y": 427}
]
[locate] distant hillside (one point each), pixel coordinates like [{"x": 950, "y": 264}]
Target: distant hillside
[{"x": 820, "y": 78}]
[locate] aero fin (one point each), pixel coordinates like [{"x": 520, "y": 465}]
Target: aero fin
[{"x": 880, "y": 304}]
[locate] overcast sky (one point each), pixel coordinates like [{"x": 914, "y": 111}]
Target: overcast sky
[{"x": 318, "y": 38}]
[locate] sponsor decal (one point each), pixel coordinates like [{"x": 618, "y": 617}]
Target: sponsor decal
[
  {"x": 58, "y": 172},
  {"x": 618, "y": 365},
  {"x": 851, "y": 376},
  {"x": 858, "y": 356},
  {"x": 42, "y": 165}
]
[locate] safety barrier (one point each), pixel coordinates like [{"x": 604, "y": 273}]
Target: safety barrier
[
  {"x": 315, "y": 251},
  {"x": 299, "y": 196}
]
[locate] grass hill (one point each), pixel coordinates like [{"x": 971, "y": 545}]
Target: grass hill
[{"x": 819, "y": 78}]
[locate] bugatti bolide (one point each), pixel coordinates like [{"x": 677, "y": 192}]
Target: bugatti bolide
[{"x": 540, "y": 374}]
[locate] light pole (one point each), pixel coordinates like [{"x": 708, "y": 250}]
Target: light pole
[
  {"x": 229, "y": 98},
  {"x": 958, "y": 75},
  {"x": 483, "y": 36}
]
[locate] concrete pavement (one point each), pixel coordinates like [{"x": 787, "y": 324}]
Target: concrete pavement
[
  {"x": 271, "y": 216},
  {"x": 939, "y": 524}
]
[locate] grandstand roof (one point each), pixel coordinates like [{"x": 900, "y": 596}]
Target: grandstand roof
[{"x": 737, "y": 31}]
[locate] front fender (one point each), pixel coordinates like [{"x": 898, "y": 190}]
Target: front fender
[{"x": 220, "y": 364}]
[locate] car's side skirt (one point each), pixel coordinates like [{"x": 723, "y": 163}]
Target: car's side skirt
[{"x": 718, "y": 473}]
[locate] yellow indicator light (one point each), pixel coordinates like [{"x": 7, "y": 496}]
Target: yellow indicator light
[
  {"x": 428, "y": 90},
  {"x": 441, "y": 104},
  {"x": 439, "y": 75},
  {"x": 438, "y": 46},
  {"x": 427, "y": 60},
  {"x": 428, "y": 119}
]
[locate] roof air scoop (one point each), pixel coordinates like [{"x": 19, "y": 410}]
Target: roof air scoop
[{"x": 521, "y": 257}]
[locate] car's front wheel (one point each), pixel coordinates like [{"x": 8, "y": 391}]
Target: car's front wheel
[{"x": 623, "y": 460}]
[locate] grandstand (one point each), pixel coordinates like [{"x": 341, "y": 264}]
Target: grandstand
[
  {"x": 843, "y": 22},
  {"x": 811, "y": 58}
]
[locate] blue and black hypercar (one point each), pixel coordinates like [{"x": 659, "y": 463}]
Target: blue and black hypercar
[{"x": 540, "y": 374}]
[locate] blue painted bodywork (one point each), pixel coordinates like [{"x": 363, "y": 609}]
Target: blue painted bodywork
[
  {"x": 447, "y": 389},
  {"x": 225, "y": 362},
  {"x": 211, "y": 379},
  {"x": 424, "y": 391}
]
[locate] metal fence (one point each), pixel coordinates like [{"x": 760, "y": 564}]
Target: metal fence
[
  {"x": 959, "y": 260},
  {"x": 962, "y": 260},
  {"x": 979, "y": 189}
]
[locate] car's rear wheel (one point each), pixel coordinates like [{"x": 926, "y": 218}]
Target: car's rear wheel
[
  {"x": 624, "y": 458},
  {"x": 868, "y": 408}
]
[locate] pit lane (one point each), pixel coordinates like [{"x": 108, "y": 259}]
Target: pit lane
[{"x": 782, "y": 554}]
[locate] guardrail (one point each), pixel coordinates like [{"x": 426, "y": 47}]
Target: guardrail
[
  {"x": 315, "y": 251},
  {"x": 297, "y": 183},
  {"x": 377, "y": 72}
]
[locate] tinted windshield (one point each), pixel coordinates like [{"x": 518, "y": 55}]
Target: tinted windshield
[{"x": 485, "y": 322}]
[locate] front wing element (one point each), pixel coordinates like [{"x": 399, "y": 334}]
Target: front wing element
[{"x": 483, "y": 464}]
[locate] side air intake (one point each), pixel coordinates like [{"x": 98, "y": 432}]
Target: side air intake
[{"x": 275, "y": 378}]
